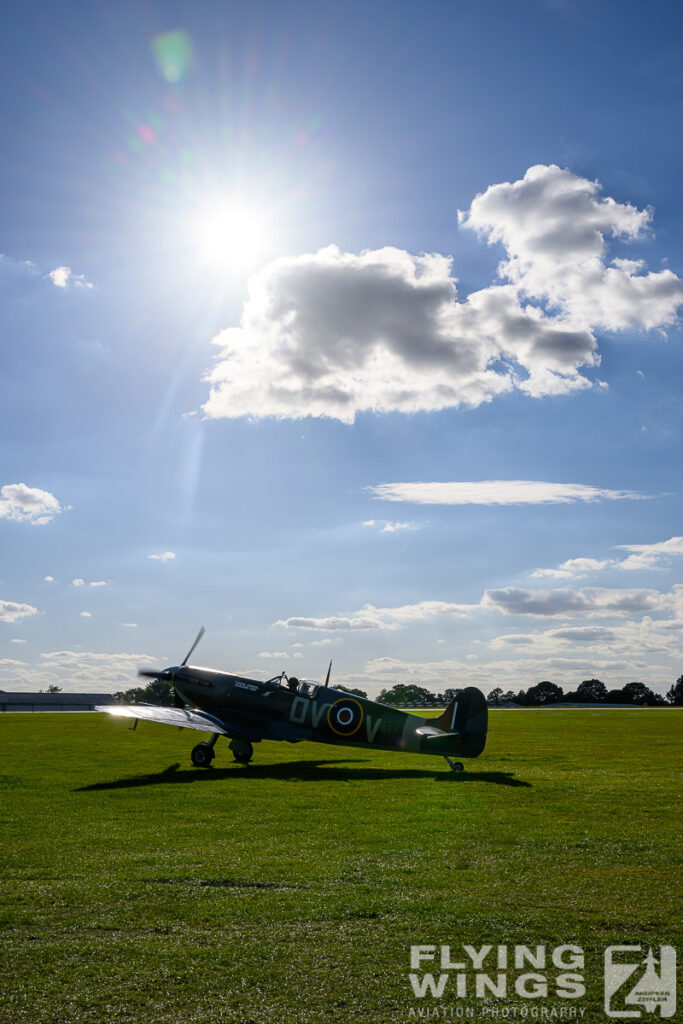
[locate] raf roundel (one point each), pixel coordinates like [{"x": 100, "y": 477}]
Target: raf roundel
[{"x": 345, "y": 716}]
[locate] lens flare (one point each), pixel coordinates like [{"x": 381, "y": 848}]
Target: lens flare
[{"x": 173, "y": 53}]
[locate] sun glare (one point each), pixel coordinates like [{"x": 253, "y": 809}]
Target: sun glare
[{"x": 229, "y": 234}]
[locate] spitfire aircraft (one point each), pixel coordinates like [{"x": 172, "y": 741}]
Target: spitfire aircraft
[{"x": 248, "y": 711}]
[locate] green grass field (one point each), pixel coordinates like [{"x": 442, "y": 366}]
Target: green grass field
[{"x": 137, "y": 888}]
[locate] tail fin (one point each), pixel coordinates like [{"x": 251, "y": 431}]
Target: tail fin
[{"x": 466, "y": 715}]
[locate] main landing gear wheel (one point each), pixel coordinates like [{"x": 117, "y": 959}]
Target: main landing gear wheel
[
  {"x": 202, "y": 755},
  {"x": 455, "y": 766},
  {"x": 243, "y": 750}
]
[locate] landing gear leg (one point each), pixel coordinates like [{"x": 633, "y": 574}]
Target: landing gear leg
[
  {"x": 455, "y": 766},
  {"x": 203, "y": 754},
  {"x": 243, "y": 750}
]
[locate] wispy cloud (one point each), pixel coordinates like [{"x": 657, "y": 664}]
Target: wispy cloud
[
  {"x": 565, "y": 602},
  {"x": 370, "y": 617},
  {"x": 166, "y": 556},
  {"x": 650, "y": 556},
  {"x": 574, "y": 568},
  {"x": 386, "y": 526},
  {"x": 495, "y": 492},
  {"x": 588, "y": 601},
  {"x": 75, "y": 670},
  {"x": 643, "y": 557}
]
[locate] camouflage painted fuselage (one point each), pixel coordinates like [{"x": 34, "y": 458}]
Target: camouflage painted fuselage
[{"x": 252, "y": 710}]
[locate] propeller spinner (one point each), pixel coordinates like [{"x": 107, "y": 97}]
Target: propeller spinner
[{"x": 167, "y": 674}]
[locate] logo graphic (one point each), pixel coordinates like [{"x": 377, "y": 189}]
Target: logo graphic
[
  {"x": 639, "y": 982},
  {"x": 345, "y": 716}
]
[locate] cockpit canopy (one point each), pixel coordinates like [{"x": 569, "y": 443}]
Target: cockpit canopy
[{"x": 303, "y": 687}]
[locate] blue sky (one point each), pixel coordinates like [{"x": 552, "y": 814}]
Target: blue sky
[{"x": 284, "y": 286}]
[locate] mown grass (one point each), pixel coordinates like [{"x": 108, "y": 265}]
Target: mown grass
[{"x": 139, "y": 889}]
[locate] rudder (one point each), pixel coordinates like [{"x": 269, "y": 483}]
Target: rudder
[{"x": 467, "y": 715}]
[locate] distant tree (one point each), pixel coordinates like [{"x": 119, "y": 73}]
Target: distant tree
[
  {"x": 451, "y": 694},
  {"x": 52, "y": 688},
  {"x": 158, "y": 691},
  {"x": 356, "y": 693},
  {"x": 615, "y": 697},
  {"x": 639, "y": 693},
  {"x": 495, "y": 696},
  {"x": 544, "y": 692},
  {"x": 675, "y": 694},
  {"x": 590, "y": 691},
  {"x": 509, "y": 697},
  {"x": 405, "y": 693}
]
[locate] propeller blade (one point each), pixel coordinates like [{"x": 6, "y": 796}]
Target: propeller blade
[
  {"x": 327, "y": 677},
  {"x": 200, "y": 634},
  {"x": 150, "y": 673}
]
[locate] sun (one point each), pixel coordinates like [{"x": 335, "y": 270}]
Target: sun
[{"x": 229, "y": 234}]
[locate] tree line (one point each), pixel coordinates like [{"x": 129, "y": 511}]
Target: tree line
[{"x": 590, "y": 691}]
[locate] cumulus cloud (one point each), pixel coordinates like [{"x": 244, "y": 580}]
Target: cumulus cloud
[
  {"x": 49, "y": 579},
  {"x": 130, "y": 625},
  {"x": 28, "y": 504},
  {"x": 86, "y": 615},
  {"x": 273, "y": 654},
  {"x": 166, "y": 556},
  {"x": 64, "y": 277},
  {"x": 10, "y": 611},
  {"x": 78, "y": 582},
  {"x": 555, "y": 226},
  {"x": 335, "y": 333},
  {"x": 495, "y": 492}
]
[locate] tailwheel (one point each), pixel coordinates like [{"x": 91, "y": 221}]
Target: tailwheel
[
  {"x": 455, "y": 766},
  {"x": 202, "y": 755},
  {"x": 243, "y": 750}
]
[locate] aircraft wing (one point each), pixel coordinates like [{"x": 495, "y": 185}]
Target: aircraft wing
[{"x": 181, "y": 717}]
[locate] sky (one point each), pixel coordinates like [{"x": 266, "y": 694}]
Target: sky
[{"x": 349, "y": 331}]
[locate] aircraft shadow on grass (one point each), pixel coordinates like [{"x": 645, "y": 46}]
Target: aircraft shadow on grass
[{"x": 305, "y": 771}]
